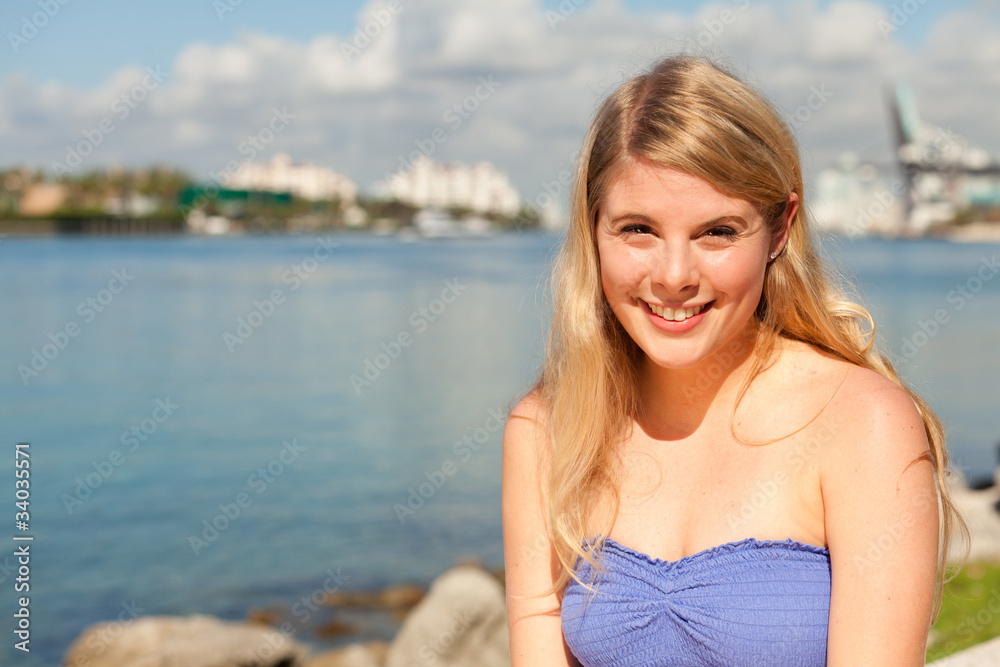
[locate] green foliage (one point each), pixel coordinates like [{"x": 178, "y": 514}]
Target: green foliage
[
  {"x": 970, "y": 611},
  {"x": 390, "y": 208},
  {"x": 964, "y": 217}
]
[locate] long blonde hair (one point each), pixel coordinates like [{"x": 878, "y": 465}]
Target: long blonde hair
[{"x": 690, "y": 115}]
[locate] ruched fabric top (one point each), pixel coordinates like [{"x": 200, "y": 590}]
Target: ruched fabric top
[{"x": 752, "y": 602}]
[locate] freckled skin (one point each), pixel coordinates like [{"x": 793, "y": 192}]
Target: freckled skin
[{"x": 671, "y": 239}]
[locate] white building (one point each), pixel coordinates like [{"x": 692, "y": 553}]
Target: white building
[
  {"x": 944, "y": 173},
  {"x": 480, "y": 187},
  {"x": 856, "y": 199},
  {"x": 309, "y": 181}
]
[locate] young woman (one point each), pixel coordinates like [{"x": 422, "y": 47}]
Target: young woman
[{"x": 716, "y": 466}]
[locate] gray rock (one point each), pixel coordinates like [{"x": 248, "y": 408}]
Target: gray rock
[
  {"x": 461, "y": 622},
  {"x": 355, "y": 655},
  {"x": 982, "y": 518},
  {"x": 193, "y": 641}
]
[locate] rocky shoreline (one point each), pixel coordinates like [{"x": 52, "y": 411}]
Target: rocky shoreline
[{"x": 459, "y": 621}]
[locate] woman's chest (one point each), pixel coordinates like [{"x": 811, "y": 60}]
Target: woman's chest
[{"x": 681, "y": 497}]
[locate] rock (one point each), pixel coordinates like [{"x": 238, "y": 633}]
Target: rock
[
  {"x": 398, "y": 597},
  {"x": 193, "y": 641},
  {"x": 461, "y": 622},
  {"x": 978, "y": 508},
  {"x": 371, "y": 654},
  {"x": 402, "y": 596},
  {"x": 336, "y": 628},
  {"x": 266, "y": 615}
]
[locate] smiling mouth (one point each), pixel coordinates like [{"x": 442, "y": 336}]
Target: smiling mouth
[{"x": 677, "y": 314}]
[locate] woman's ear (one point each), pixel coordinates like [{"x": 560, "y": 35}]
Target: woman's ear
[{"x": 785, "y": 225}]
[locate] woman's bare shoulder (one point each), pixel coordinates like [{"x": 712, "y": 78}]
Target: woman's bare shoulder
[
  {"x": 862, "y": 392},
  {"x": 855, "y": 398},
  {"x": 531, "y": 407},
  {"x": 524, "y": 433},
  {"x": 871, "y": 412},
  {"x": 807, "y": 360}
]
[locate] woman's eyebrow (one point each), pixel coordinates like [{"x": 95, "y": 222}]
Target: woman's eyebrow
[
  {"x": 636, "y": 217},
  {"x": 725, "y": 218},
  {"x": 643, "y": 218}
]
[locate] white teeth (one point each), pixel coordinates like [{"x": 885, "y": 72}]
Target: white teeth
[{"x": 678, "y": 314}]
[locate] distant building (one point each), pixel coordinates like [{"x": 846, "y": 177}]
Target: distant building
[
  {"x": 943, "y": 174},
  {"x": 305, "y": 180},
  {"x": 856, "y": 199},
  {"x": 132, "y": 204},
  {"x": 42, "y": 199},
  {"x": 939, "y": 176},
  {"x": 481, "y": 187}
]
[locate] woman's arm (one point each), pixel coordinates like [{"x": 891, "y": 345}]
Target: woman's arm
[
  {"x": 882, "y": 528},
  {"x": 531, "y": 567}
]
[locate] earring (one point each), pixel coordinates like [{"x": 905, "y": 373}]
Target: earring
[{"x": 773, "y": 255}]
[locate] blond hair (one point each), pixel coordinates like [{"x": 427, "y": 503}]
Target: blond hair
[{"x": 690, "y": 115}]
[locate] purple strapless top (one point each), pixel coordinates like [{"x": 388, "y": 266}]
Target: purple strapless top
[{"x": 752, "y": 602}]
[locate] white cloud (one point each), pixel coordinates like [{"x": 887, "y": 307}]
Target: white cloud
[
  {"x": 364, "y": 113},
  {"x": 847, "y": 32}
]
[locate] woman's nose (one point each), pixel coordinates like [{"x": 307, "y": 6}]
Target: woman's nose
[{"x": 675, "y": 268}]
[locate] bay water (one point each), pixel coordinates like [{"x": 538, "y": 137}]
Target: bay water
[{"x": 220, "y": 424}]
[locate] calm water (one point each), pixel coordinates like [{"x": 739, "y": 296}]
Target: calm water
[{"x": 162, "y": 407}]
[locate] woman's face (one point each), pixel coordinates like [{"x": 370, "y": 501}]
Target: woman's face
[{"x": 682, "y": 265}]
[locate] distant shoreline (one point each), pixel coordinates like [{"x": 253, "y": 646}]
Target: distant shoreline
[{"x": 975, "y": 232}]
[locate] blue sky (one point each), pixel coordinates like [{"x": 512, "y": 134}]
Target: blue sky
[
  {"x": 90, "y": 39},
  {"x": 226, "y": 76}
]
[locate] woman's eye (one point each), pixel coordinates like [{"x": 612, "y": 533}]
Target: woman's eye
[
  {"x": 721, "y": 231},
  {"x": 634, "y": 228}
]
